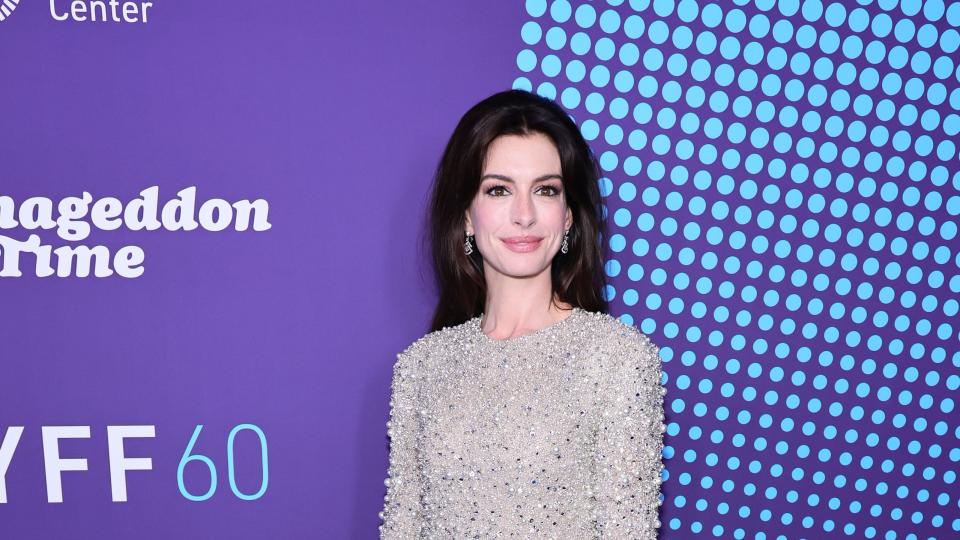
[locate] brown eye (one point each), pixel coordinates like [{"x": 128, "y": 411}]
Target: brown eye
[
  {"x": 551, "y": 191},
  {"x": 495, "y": 191}
]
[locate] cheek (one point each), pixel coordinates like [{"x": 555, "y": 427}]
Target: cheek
[
  {"x": 556, "y": 214},
  {"x": 487, "y": 217}
]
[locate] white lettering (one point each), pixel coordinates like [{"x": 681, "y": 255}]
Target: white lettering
[
  {"x": 94, "y": 6},
  {"x": 37, "y": 212},
  {"x": 129, "y": 12},
  {"x": 219, "y": 208},
  {"x": 71, "y": 260},
  {"x": 52, "y": 463},
  {"x": 83, "y": 254},
  {"x": 178, "y": 213},
  {"x": 43, "y": 261},
  {"x": 260, "y": 209},
  {"x": 141, "y": 213},
  {"x": 78, "y": 10},
  {"x": 103, "y": 214},
  {"x": 120, "y": 464},
  {"x": 74, "y": 218},
  {"x": 10, "y": 441},
  {"x": 7, "y": 211},
  {"x": 11, "y": 249},
  {"x": 71, "y": 210},
  {"x": 127, "y": 262},
  {"x": 53, "y": 12},
  {"x": 96, "y": 11}
]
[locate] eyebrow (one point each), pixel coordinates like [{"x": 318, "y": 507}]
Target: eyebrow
[{"x": 504, "y": 178}]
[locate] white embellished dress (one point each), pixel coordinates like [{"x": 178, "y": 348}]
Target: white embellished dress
[{"x": 553, "y": 434}]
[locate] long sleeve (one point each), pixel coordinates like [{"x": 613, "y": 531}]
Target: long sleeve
[
  {"x": 630, "y": 440},
  {"x": 402, "y": 513}
]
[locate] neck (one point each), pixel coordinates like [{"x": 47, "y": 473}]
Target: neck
[{"x": 502, "y": 320}]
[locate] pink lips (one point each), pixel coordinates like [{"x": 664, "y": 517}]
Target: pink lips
[{"x": 522, "y": 244}]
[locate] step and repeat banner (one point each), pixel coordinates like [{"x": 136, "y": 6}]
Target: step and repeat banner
[{"x": 210, "y": 215}]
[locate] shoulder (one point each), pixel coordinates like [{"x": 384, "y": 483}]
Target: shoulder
[
  {"x": 625, "y": 345},
  {"x": 432, "y": 345},
  {"x": 616, "y": 333}
]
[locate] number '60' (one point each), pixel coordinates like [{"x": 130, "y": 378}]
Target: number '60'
[{"x": 231, "y": 471}]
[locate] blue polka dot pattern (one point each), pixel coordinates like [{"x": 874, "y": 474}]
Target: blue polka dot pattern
[{"x": 782, "y": 184}]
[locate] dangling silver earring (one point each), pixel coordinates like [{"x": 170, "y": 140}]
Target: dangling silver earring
[
  {"x": 467, "y": 248},
  {"x": 565, "y": 247}
]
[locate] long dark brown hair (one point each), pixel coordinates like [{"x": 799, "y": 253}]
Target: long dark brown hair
[{"x": 577, "y": 276}]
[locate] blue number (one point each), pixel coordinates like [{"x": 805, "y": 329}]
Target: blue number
[
  {"x": 187, "y": 458},
  {"x": 265, "y": 474}
]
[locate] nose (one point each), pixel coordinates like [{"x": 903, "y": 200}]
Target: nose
[{"x": 524, "y": 213}]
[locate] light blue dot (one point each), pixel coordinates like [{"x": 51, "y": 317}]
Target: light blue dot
[
  {"x": 634, "y": 27},
  {"x": 522, "y": 83},
  {"x": 610, "y": 21},
  {"x": 711, "y": 15},
  {"x": 580, "y": 43},
  {"x": 556, "y": 38},
  {"x": 560, "y": 11},
  {"x": 550, "y": 65},
  {"x": 547, "y": 90},
  {"x": 526, "y": 60},
  {"x": 570, "y": 98},
  {"x": 536, "y": 8},
  {"x": 663, "y": 8},
  {"x": 531, "y": 33},
  {"x": 585, "y": 16}
]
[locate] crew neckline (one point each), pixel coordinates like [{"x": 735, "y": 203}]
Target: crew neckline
[{"x": 536, "y": 333}]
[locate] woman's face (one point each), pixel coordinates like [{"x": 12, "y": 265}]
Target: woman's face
[{"x": 519, "y": 214}]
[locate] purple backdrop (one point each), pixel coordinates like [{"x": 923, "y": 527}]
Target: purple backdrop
[
  {"x": 781, "y": 181},
  {"x": 334, "y": 112}
]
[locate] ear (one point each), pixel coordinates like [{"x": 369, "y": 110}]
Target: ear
[
  {"x": 568, "y": 222},
  {"x": 468, "y": 225}
]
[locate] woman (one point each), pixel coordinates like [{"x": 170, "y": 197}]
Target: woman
[{"x": 527, "y": 410}]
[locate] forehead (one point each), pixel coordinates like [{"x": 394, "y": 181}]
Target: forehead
[{"x": 533, "y": 155}]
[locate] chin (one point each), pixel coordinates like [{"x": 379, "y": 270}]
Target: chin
[{"x": 529, "y": 269}]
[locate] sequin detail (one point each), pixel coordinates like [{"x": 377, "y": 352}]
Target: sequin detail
[{"x": 553, "y": 434}]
